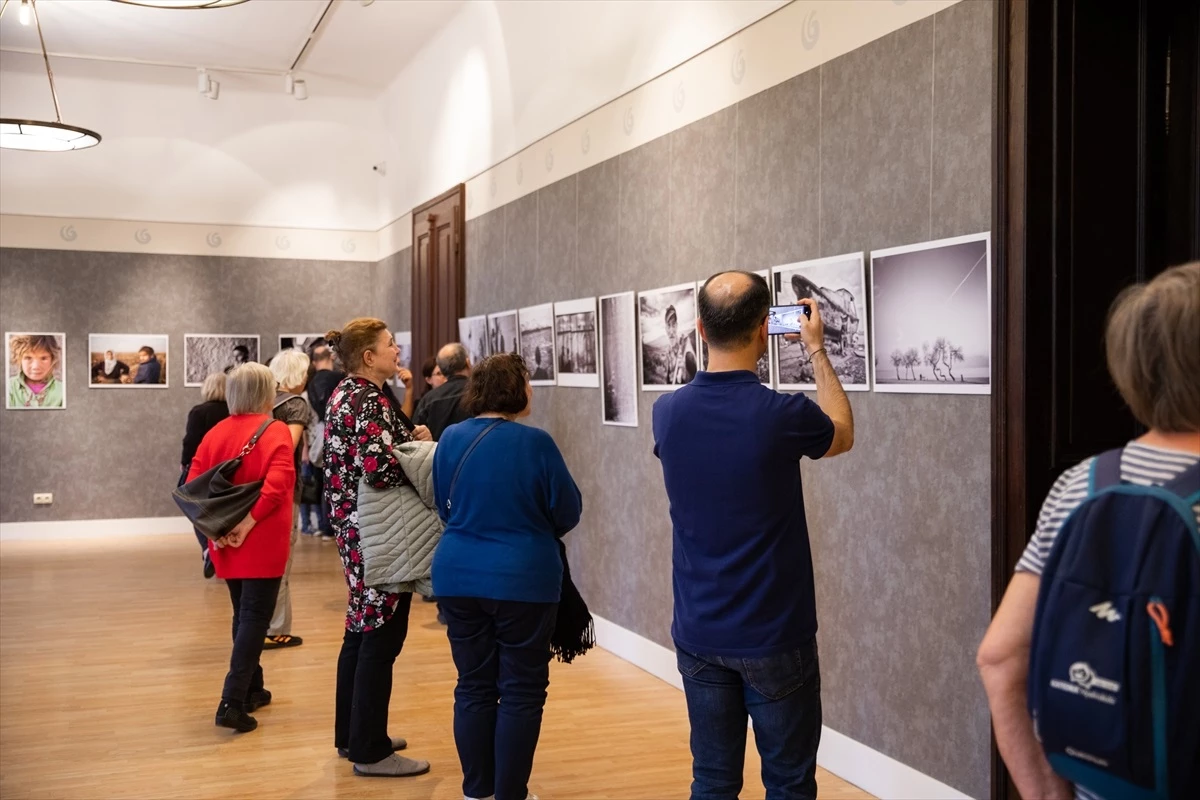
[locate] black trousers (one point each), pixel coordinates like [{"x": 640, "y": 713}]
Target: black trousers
[
  {"x": 253, "y": 604},
  {"x": 364, "y": 687}
]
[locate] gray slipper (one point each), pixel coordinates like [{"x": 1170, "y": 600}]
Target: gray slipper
[
  {"x": 393, "y": 766},
  {"x": 398, "y": 743}
]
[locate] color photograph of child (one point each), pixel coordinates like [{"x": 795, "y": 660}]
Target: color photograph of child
[
  {"x": 127, "y": 360},
  {"x": 36, "y": 370}
]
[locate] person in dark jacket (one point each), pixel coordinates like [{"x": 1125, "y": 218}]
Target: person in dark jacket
[
  {"x": 149, "y": 370},
  {"x": 442, "y": 407},
  {"x": 325, "y": 378},
  {"x": 201, "y": 419}
]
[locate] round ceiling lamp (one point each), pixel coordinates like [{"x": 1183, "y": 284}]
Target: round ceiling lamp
[
  {"x": 187, "y": 5},
  {"x": 26, "y": 134}
]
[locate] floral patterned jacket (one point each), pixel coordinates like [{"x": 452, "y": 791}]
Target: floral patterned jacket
[{"x": 361, "y": 427}]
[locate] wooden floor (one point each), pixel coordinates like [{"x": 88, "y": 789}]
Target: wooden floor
[{"x": 112, "y": 655}]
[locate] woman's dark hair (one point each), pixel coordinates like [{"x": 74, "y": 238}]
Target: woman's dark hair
[
  {"x": 355, "y": 338},
  {"x": 428, "y": 367},
  {"x": 497, "y": 385}
]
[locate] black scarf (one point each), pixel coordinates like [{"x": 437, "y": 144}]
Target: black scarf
[{"x": 574, "y": 634}]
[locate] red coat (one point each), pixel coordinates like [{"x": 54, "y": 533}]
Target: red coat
[{"x": 264, "y": 552}]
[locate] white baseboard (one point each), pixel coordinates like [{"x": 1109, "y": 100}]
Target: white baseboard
[
  {"x": 92, "y": 528},
  {"x": 851, "y": 761}
]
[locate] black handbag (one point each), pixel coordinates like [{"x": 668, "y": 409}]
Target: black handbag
[{"x": 212, "y": 501}]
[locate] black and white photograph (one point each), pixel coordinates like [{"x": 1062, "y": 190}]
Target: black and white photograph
[
  {"x": 575, "y": 340},
  {"x": 931, "y": 317},
  {"x": 667, "y": 325},
  {"x": 618, "y": 360},
  {"x": 766, "y": 364},
  {"x": 537, "y": 343},
  {"x": 37, "y": 370},
  {"x": 206, "y": 353},
  {"x": 404, "y": 342},
  {"x": 298, "y": 341},
  {"x": 473, "y": 335},
  {"x": 127, "y": 360},
  {"x": 838, "y": 285},
  {"x": 502, "y": 332}
]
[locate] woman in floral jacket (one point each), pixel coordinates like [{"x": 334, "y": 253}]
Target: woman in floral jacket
[{"x": 361, "y": 426}]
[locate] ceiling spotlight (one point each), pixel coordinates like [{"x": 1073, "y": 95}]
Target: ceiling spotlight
[
  {"x": 289, "y": 83},
  {"x": 23, "y": 13},
  {"x": 182, "y": 4},
  {"x": 23, "y": 134},
  {"x": 300, "y": 90},
  {"x": 202, "y": 81},
  {"x": 214, "y": 90}
]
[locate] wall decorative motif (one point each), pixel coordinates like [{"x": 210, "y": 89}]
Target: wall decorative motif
[
  {"x": 502, "y": 333},
  {"x": 142, "y": 236},
  {"x": 810, "y": 34},
  {"x": 669, "y": 356},
  {"x": 585, "y": 143},
  {"x": 618, "y": 360},
  {"x": 283, "y": 242},
  {"x": 36, "y": 371},
  {"x": 550, "y": 159},
  {"x": 628, "y": 122},
  {"x": 348, "y": 246},
  {"x": 206, "y": 353},
  {"x": 679, "y": 98},
  {"x": 931, "y": 317},
  {"x": 472, "y": 333},
  {"x": 537, "y": 343},
  {"x": 838, "y": 285},
  {"x": 575, "y": 343},
  {"x": 213, "y": 239},
  {"x": 128, "y": 361},
  {"x": 67, "y": 233},
  {"x": 737, "y": 70}
]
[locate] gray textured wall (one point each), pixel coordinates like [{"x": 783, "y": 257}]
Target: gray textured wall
[
  {"x": 885, "y": 146},
  {"x": 114, "y": 453}
]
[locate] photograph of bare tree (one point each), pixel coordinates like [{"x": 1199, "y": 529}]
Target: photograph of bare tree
[
  {"x": 618, "y": 360},
  {"x": 537, "y": 343},
  {"x": 931, "y": 317},
  {"x": 839, "y": 287},
  {"x": 502, "y": 332},
  {"x": 575, "y": 340}
]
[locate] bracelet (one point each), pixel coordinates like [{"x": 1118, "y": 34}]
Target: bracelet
[{"x": 813, "y": 354}]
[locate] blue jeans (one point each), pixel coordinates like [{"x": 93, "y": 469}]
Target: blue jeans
[
  {"x": 781, "y": 694},
  {"x": 502, "y": 651}
]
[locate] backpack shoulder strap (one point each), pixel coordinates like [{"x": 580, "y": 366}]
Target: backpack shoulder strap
[
  {"x": 283, "y": 397},
  {"x": 1105, "y": 471},
  {"x": 1186, "y": 484}
]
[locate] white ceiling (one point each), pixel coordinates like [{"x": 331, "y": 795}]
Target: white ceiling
[{"x": 363, "y": 45}]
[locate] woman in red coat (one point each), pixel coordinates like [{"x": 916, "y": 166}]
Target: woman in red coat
[{"x": 251, "y": 557}]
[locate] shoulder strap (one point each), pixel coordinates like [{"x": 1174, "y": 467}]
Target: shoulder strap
[
  {"x": 1105, "y": 471},
  {"x": 283, "y": 397},
  {"x": 254, "y": 439},
  {"x": 1186, "y": 484},
  {"x": 463, "y": 460}
]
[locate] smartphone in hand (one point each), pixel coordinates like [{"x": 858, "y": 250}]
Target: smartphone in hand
[{"x": 786, "y": 319}]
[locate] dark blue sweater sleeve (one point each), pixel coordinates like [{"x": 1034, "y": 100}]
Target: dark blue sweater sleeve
[{"x": 562, "y": 495}]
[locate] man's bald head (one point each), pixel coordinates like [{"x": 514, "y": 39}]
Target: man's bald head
[
  {"x": 732, "y": 307},
  {"x": 452, "y": 359}
]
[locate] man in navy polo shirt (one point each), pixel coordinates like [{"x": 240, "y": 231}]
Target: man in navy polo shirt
[{"x": 745, "y": 615}]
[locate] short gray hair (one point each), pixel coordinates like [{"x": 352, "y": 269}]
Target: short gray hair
[
  {"x": 290, "y": 368},
  {"x": 249, "y": 389},
  {"x": 213, "y": 388},
  {"x": 452, "y": 359}
]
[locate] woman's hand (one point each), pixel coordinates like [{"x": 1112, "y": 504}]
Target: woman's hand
[
  {"x": 405, "y": 376},
  {"x": 238, "y": 535},
  {"x": 421, "y": 434}
]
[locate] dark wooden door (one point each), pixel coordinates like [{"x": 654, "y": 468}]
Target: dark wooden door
[
  {"x": 1096, "y": 187},
  {"x": 438, "y": 275}
]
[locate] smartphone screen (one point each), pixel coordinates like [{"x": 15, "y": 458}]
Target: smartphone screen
[{"x": 786, "y": 319}]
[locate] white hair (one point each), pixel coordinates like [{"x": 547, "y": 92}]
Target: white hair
[
  {"x": 249, "y": 389},
  {"x": 290, "y": 368}
]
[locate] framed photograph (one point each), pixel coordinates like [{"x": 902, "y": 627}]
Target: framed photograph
[
  {"x": 931, "y": 317},
  {"x": 472, "y": 333},
  {"x": 668, "y": 356},
  {"x": 404, "y": 342},
  {"x": 298, "y": 341},
  {"x": 206, "y": 353},
  {"x": 128, "y": 360},
  {"x": 838, "y": 284},
  {"x": 37, "y": 370},
  {"x": 502, "y": 333},
  {"x": 575, "y": 342},
  {"x": 618, "y": 360},
  {"x": 536, "y": 325}
]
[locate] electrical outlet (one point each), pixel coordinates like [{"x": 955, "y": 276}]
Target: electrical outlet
[{"x": 42, "y": 498}]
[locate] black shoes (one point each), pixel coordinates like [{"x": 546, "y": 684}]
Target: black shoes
[
  {"x": 235, "y": 718},
  {"x": 209, "y": 569},
  {"x": 257, "y": 700}
]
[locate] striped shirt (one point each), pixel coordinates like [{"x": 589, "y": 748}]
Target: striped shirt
[{"x": 1140, "y": 464}]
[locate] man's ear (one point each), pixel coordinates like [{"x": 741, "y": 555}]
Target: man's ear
[{"x": 700, "y": 327}]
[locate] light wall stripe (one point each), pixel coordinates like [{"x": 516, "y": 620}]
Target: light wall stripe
[{"x": 787, "y": 43}]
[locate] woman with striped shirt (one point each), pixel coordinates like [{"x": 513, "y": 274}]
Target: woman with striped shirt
[{"x": 1154, "y": 360}]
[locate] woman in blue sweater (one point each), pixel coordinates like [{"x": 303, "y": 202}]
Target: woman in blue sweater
[{"x": 505, "y": 494}]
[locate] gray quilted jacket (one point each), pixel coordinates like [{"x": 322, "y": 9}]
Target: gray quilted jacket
[{"x": 399, "y": 527}]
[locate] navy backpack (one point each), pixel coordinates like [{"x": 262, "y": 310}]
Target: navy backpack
[{"x": 1114, "y": 669}]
